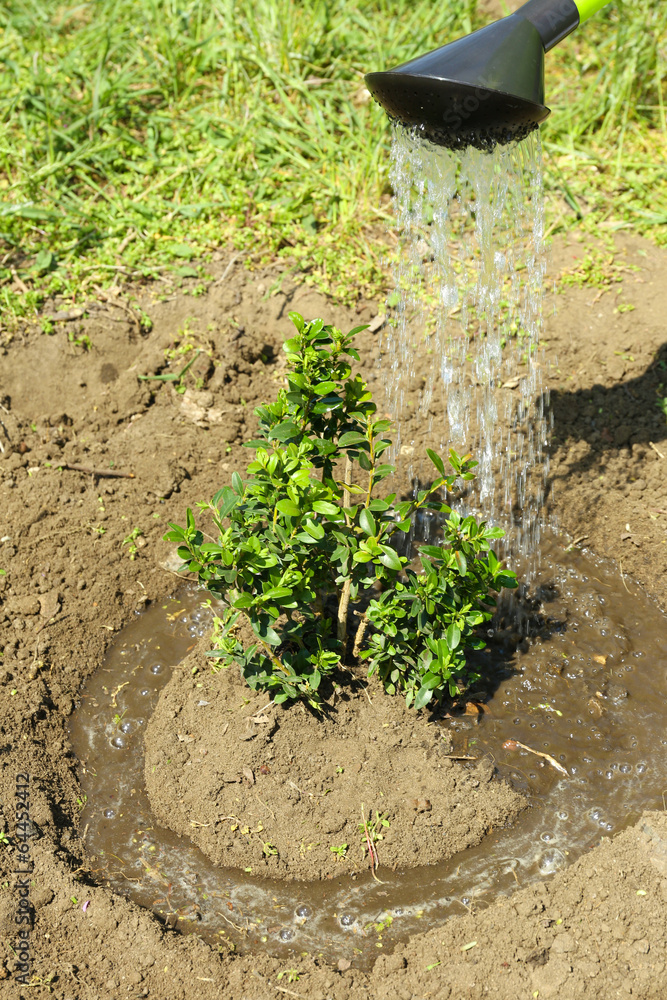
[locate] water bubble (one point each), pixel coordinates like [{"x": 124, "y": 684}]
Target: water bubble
[
  {"x": 302, "y": 911},
  {"x": 551, "y": 861},
  {"x": 145, "y": 692},
  {"x": 642, "y": 767},
  {"x": 156, "y": 668},
  {"x": 346, "y": 920},
  {"x": 286, "y": 934},
  {"x": 625, "y": 768},
  {"x": 118, "y": 742},
  {"x": 562, "y": 814},
  {"x": 125, "y": 727},
  {"x": 595, "y": 814},
  {"x": 466, "y": 900},
  {"x": 109, "y": 813},
  {"x": 609, "y": 774},
  {"x": 546, "y": 837},
  {"x": 398, "y": 911}
]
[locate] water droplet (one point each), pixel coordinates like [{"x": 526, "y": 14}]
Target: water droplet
[
  {"x": 109, "y": 813},
  {"x": 303, "y": 911},
  {"x": 118, "y": 742},
  {"x": 562, "y": 814},
  {"x": 286, "y": 934},
  {"x": 595, "y": 814},
  {"x": 642, "y": 767},
  {"x": 145, "y": 692},
  {"x": 546, "y": 837},
  {"x": 346, "y": 920},
  {"x": 156, "y": 668},
  {"x": 125, "y": 727},
  {"x": 625, "y": 768}
]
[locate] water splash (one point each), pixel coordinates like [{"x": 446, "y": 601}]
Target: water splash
[{"x": 469, "y": 285}]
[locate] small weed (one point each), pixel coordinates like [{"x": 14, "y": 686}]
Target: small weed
[
  {"x": 4, "y": 839},
  {"x": 269, "y": 850},
  {"x": 176, "y": 377},
  {"x": 372, "y": 829},
  {"x": 291, "y": 974},
  {"x": 81, "y": 802},
  {"x": 662, "y": 404},
  {"x": 130, "y": 541},
  {"x": 340, "y": 851},
  {"x": 82, "y": 341}
]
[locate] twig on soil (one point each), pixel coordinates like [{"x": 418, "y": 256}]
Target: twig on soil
[
  {"x": 264, "y": 805},
  {"x": 459, "y": 756},
  {"x": 121, "y": 305},
  {"x": 226, "y": 271},
  {"x": 656, "y": 450},
  {"x": 576, "y": 542},
  {"x": 299, "y": 790},
  {"x": 98, "y": 473},
  {"x": 513, "y": 744}
]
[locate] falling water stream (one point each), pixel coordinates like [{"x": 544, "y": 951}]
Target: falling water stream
[
  {"x": 582, "y": 687},
  {"x": 468, "y": 295}
]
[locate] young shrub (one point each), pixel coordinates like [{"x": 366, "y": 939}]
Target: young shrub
[{"x": 297, "y": 545}]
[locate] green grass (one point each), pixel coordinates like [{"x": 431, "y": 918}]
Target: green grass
[{"x": 138, "y": 135}]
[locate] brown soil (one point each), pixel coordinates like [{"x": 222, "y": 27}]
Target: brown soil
[
  {"x": 69, "y": 584},
  {"x": 302, "y": 780}
]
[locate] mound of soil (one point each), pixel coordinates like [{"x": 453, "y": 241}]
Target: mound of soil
[
  {"x": 70, "y": 415},
  {"x": 252, "y": 783}
]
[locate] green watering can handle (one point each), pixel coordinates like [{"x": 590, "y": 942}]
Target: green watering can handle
[{"x": 587, "y": 8}]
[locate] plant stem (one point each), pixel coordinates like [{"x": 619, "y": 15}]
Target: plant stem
[
  {"x": 359, "y": 637},
  {"x": 345, "y": 593}
]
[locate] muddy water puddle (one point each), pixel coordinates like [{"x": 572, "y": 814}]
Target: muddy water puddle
[{"x": 584, "y": 694}]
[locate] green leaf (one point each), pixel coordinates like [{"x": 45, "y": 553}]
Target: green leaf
[
  {"x": 437, "y": 461},
  {"x": 324, "y": 388},
  {"x": 328, "y": 509},
  {"x": 289, "y": 508},
  {"x": 315, "y": 530},
  {"x": 461, "y": 562},
  {"x": 237, "y": 484},
  {"x": 265, "y": 632},
  {"x": 244, "y": 601},
  {"x": 367, "y": 522},
  {"x": 298, "y": 321},
  {"x": 424, "y": 695},
  {"x": 283, "y": 431},
  {"x": 350, "y": 438},
  {"x": 275, "y": 593},
  {"x": 453, "y": 636},
  {"x": 390, "y": 558}
]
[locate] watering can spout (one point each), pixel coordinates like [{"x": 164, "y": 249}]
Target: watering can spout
[{"x": 487, "y": 87}]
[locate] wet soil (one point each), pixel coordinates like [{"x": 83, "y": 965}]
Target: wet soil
[
  {"x": 82, "y": 553},
  {"x": 303, "y": 780}
]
